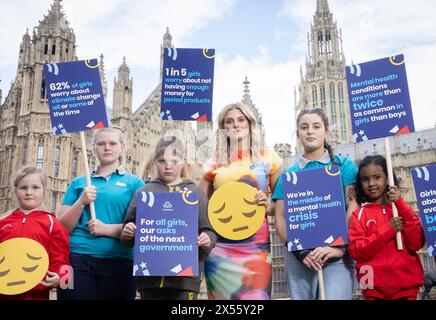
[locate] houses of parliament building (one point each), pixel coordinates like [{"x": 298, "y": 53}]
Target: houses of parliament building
[{"x": 26, "y": 135}]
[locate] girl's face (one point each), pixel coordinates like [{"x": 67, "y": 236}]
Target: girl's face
[
  {"x": 374, "y": 183},
  {"x": 236, "y": 124},
  {"x": 108, "y": 148},
  {"x": 30, "y": 192},
  {"x": 311, "y": 132},
  {"x": 170, "y": 168}
]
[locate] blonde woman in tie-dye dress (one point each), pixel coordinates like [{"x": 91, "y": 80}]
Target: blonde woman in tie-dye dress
[{"x": 241, "y": 269}]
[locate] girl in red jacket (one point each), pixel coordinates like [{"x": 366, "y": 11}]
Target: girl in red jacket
[
  {"x": 383, "y": 271},
  {"x": 31, "y": 221}
]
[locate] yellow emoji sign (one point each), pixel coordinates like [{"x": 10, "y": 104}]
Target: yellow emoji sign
[
  {"x": 233, "y": 213},
  {"x": 23, "y": 264}
]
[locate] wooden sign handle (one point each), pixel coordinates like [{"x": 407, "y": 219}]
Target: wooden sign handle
[
  {"x": 87, "y": 175},
  {"x": 321, "y": 285},
  {"x": 391, "y": 183}
]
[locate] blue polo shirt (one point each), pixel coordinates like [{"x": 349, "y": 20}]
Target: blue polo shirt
[
  {"x": 347, "y": 167},
  {"x": 114, "y": 193}
]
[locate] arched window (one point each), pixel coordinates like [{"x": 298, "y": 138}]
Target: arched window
[
  {"x": 314, "y": 97},
  {"x": 57, "y": 160},
  {"x": 328, "y": 42},
  {"x": 43, "y": 90},
  {"x": 53, "y": 49},
  {"x": 24, "y": 154},
  {"x": 40, "y": 155},
  {"x": 46, "y": 49},
  {"x": 74, "y": 167},
  {"x": 342, "y": 111},
  {"x": 322, "y": 91},
  {"x": 320, "y": 43},
  {"x": 333, "y": 104}
]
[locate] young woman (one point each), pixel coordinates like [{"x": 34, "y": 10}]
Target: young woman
[
  {"x": 102, "y": 265},
  {"x": 385, "y": 271},
  {"x": 169, "y": 162},
  {"x": 241, "y": 269},
  {"x": 31, "y": 221},
  {"x": 302, "y": 266}
]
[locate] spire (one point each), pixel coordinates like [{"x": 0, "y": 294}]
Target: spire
[
  {"x": 55, "y": 18},
  {"x": 102, "y": 74},
  {"x": 246, "y": 98},
  {"x": 124, "y": 66},
  {"x": 322, "y": 6},
  {"x": 167, "y": 39}
]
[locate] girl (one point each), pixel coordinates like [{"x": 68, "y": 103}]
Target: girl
[
  {"x": 241, "y": 269},
  {"x": 302, "y": 266},
  {"x": 30, "y": 220},
  {"x": 102, "y": 265},
  {"x": 391, "y": 274},
  {"x": 169, "y": 158}
]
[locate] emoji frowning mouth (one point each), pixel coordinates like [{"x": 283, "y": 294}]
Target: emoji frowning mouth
[
  {"x": 16, "y": 283},
  {"x": 240, "y": 229}
]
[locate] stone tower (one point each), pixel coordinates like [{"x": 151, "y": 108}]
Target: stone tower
[
  {"x": 25, "y": 130},
  {"x": 324, "y": 83},
  {"x": 122, "y": 101}
]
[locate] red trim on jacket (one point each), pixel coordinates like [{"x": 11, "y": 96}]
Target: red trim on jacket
[{"x": 373, "y": 245}]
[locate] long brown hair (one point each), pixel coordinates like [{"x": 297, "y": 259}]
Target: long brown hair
[{"x": 320, "y": 112}]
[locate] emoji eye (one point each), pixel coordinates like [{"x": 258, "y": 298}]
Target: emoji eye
[
  {"x": 220, "y": 209},
  {"x": 30, "y": 269},
  {"x": 249, "y": 214},
  {"x": 2, "y": 259},
  {"x": 3, "y": 273},
  {"x": 225, "y": 220},
  {"x": 32, "y": 257},
  {"x": 249, "y": 202}
]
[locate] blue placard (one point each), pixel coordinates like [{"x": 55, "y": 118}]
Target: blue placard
[
  {"x": 425, "y": 189},
  {"x": 166, "y": 234},
  {"x": 379, "y": 99},
  {"x": 314, "y": 208},
  {"x": 187, "y": 84},
  {"x": 75, "y": 96}
]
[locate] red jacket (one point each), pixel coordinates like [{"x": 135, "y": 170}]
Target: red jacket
[
  {"x": 44, "y": 228},
  {"x": 373, "y": 244}
]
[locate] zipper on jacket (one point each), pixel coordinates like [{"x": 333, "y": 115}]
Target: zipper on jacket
[
  {"x": 384, "y": 210},
  {"x": 161, "y": 282},
  {"x": 24, "y": 220}
]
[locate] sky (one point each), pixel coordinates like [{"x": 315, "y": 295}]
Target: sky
[{"x": 263, "y": 40}]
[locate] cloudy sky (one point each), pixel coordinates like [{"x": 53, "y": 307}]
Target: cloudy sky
[{"x": 265, "y": 40}]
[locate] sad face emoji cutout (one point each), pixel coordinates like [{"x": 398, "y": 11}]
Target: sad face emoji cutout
[
  {"x": 233, "y": 213},
  {"x": 23, "y": 264}
]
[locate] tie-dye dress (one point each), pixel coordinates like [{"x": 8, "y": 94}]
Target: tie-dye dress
[{"x": 241, "y": 270}]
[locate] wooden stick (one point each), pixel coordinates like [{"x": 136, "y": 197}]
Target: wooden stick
[
  {"x": 391, "y": 183},
  {"x": 87, "y": 175},
  {"x": 321, "y": 285}
]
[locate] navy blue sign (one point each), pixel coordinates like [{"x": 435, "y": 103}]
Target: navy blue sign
[
  {"x": 314, "y": 208},
  {"x": 187, "y": 84},
  {"x": 379, "y": 99},
  {"x": 166, "y": 234},
  {"x": 75, "y": 96},
  {"x": 425, "y": 189}
]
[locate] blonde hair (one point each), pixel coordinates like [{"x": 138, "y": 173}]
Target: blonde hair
[
  {"x": 118, "y": 131},
  {"x": 223, "y": 142},
  {"x": 25, "y": 171}
]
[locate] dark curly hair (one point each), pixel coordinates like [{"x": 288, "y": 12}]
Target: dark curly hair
[{"x": 375, "y": 160}]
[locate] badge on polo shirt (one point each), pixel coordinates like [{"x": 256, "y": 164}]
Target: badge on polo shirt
[{"x": 120, "y": 184}]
